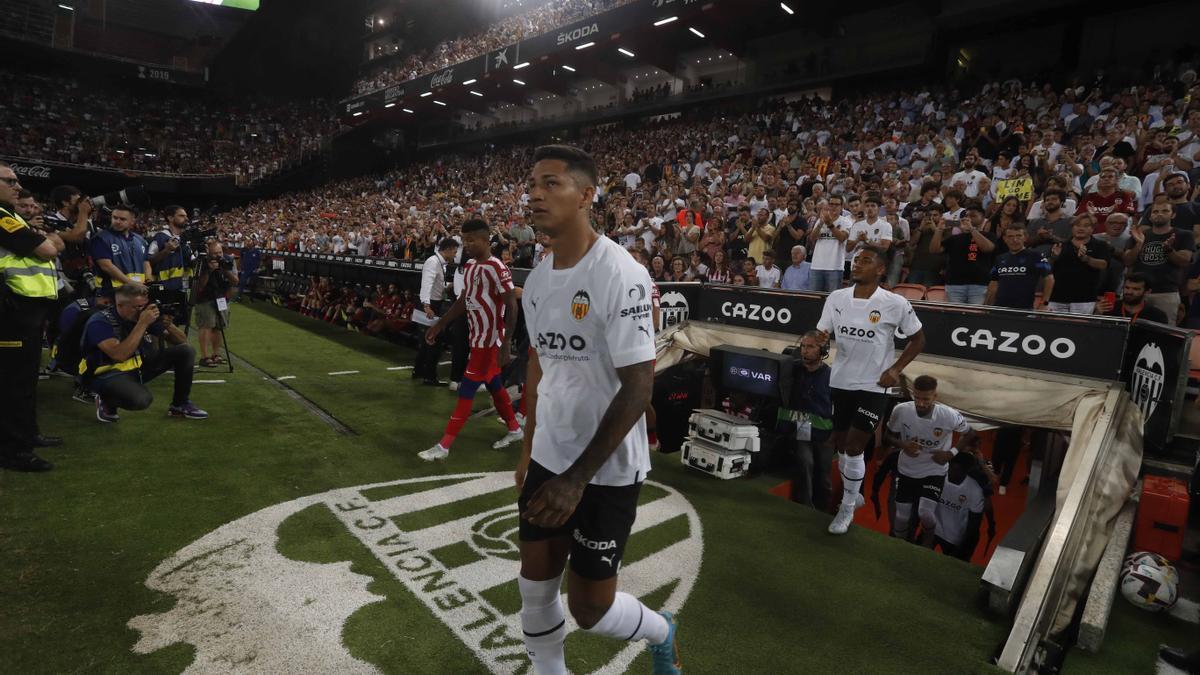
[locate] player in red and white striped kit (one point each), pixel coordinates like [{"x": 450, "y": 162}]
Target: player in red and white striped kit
[{"x": 490, "y": 302}]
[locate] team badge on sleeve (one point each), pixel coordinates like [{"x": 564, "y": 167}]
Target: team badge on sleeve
[
  {"x": 11, "y": 224},
  {"x": 580, "y": 305}
]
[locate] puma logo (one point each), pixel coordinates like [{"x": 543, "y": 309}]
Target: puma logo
[
  {"x": 608, "y": 559},
  {"x": 644, "y": 330}
]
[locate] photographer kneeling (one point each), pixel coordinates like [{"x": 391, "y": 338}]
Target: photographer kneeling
[
  {"x": 120, "y": 356},
  {"x": 216, "y": 277}
]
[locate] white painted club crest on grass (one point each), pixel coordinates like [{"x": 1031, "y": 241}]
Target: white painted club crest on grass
[{"x": 247, "y": 608}]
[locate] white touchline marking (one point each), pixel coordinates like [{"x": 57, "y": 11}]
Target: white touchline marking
[
  {"x": 343, "y": 372},
  {"x": 400, "y": 368},
  {"x": 285, "y": 377},
  {"x": 444, "y": 363},
  {"x": 208, "y": 381}
]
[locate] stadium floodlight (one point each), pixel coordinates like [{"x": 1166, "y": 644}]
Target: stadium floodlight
[
  {"x": 390, "y": 105},
  {"x": 518, "y": 82},
  {"x": 470, "y": 81},
  {"x": 438, "y": 102},
  {"x": 663, "y": 22},
  {"x": 584, "y": 45},
  {"x": 566, "y": 67},
  {"x": 626, "y": 52},
  {"x": 476, "y": 93},
  {"x": 787, "y": 9},
  {"x": 357, "y": 114},
  {"x": 428, "y": 93},
  {"x": 696, "y": 33},
  {"x": 521, "y": 65},
  {"x": 407, "y": 110}
]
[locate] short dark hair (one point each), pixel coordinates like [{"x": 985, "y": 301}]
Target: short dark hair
[
  {"x": 1061, "y": 194},
  {"x": 973, "y": 205},
  {"x": 126, "y": 208},
  {"x": 880, "y": 254},
  {"x": 62, "y": 194},
  {"x": 578, "y": 162},
  {"x": 1138, "y": 278},
  {"x": 447, "y": 244},
  {"x": 170, "y": 210},
  {"x": 873, "y": 199},
  {"x": 475, "y": 225},
  {"x": 930, "y": 185},
  {"x": 925, "y": 383},
  {"x": 24, "y": 194}
]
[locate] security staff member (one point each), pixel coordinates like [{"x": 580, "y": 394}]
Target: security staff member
[
  {"x": 119, "y": 254},
  {"x": 30, "y": 288},
  {"x": 168, "y": 253},
  {"x": 434, "y": 303}
]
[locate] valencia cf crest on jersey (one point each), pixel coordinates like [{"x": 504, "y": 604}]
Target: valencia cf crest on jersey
[
  {"x": 938, "y": 431},
  {"x": 580, "y": 304},
  {"x": 874, "y": 316}
]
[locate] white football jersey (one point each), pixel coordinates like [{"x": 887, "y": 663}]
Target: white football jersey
[
  {"x": 864, "y": 331},
  {"x": 956, "y": 505},
  {"x": 586, "y": 322},
  {"x": 934, "y": 433}
]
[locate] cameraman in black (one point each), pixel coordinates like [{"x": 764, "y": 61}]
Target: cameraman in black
[
  {"x": 216, "y": 277},
  {"x": 121, "y": 354},
  {"x": 71, "y": 220}
]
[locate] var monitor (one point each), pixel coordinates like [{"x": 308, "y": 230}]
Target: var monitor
[{"x": 751, "y": 371}]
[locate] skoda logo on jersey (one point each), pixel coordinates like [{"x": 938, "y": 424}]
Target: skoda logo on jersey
[
  {"x": 673, "y": 308},
  {"x": 241, "y": 598},
  {"x": 580, "y": 304},
  {"x": 874, "y": 316},
  {"x": 1149, "y": 379}
]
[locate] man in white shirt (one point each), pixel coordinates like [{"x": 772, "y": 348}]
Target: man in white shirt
[
  {"x": 588, "y": 311},
  {"x": 433, "y": 298},
  {"x": 767, "y": 273},
  {"x": 871, "y": 230},
  {"x": 632, "y": 180},
  {"x": 923, "y": 430},
  {"x": 826, "y": 238},
  {"x": 758, "y": 200},
  {"x": 863, "y": 319},
  {"x": 969, "y": 179},
  {"x": 962, "y": 505}
]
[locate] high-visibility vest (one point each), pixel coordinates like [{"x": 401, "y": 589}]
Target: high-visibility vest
[
  {"x": 26, "y": 275},
  {"x": 99, "y": 362}
]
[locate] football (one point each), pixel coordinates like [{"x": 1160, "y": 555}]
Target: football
[
  {"x": 1150, "y": 587},
  {"x": 1154, "y": 560}
]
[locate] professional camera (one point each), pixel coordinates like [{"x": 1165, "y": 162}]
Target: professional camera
[
  {"x": 130, "y": 196},
  {"x": 225, "y": 261},
  {"x": 173, "y": 302}
]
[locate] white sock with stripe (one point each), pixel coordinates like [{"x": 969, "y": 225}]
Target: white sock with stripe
[
  {"x": 628, "y": 619},
  {"x": 543, "y": 624},
  {"x": 853, "y": 468}
]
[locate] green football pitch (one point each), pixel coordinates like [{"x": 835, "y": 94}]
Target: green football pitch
[{"x": 93, "y": 582}]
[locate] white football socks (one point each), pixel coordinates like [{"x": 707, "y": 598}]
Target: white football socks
[
  {"x": 543, "y": 624},
  {"x": 628, "y": 619},
  {"x": 853, "y": 468}
]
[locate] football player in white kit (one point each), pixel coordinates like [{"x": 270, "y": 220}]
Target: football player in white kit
[
  {"x": 590, "y": 378},
  {"x": 923, "y": 430},
  {"x": 862, "y": 320}
]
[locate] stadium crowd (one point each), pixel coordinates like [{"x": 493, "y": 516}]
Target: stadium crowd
[
  {"x": 782, "y": 195},
  {"x": 156, "y": 130},
  {"x": 507, "y": 31}
]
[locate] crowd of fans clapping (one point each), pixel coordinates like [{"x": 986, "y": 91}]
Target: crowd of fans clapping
[
  {"x": 507, "y": 31},
  {"x": 171, "y": 131},
  {"x": 742, "y": 197}
]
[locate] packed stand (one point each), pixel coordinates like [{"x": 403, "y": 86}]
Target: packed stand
[
  {"x": 171, "y": 132},
  {"x": 1018, "y": 195},
  {"x": 507, "y": 31}
]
